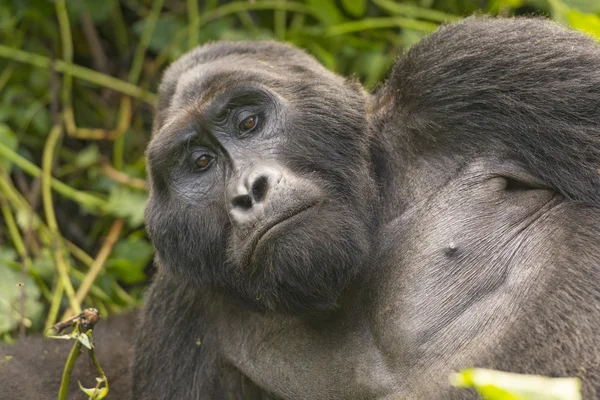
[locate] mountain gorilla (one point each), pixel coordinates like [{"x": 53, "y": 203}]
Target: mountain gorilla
[{"x": 315, "y": 241}]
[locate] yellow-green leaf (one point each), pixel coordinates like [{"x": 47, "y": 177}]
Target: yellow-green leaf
[
  {"x": 588, "y": 23},
  {"x": 498, "y": 385},
  {"x": 93, "y": 393}
]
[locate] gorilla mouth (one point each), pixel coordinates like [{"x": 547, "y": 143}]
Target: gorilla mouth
[{"x": 282, "y": 219}]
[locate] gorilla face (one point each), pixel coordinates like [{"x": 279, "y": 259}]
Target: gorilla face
[{"x": 260, "y": 180}]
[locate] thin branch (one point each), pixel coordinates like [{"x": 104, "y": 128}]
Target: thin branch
[
  {"x": 77, "y": 71},
  {"x": 105, "y": 250},
  {"x": 82, "y": 198},
  {"x": 61, "y": 266}
]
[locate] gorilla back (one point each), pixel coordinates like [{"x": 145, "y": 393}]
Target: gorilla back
[{"x": 317, "y": 242}]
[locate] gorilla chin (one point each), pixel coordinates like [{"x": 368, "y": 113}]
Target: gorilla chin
[{"x": 301, "y": 264}]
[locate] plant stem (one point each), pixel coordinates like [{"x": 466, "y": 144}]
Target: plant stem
[
  {"x": 77, "y": 71},
  {"x": 67, "y": 55},
  {"x": 82, "y": 198},
  {"x": 107, "y": 246},
  {"x": 194, "y": 24},
  {"x": 66, "y": 376},
  {"x": 61, "y": 266},
  {"x": 140, "y": 51}
]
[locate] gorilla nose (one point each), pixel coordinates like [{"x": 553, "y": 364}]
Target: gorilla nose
[{"x": 252, "y": 189}]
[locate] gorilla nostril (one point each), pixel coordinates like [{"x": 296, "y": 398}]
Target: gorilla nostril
[
  {"x": 260, "y": 187},
  {"x": 242, "y": 202}
]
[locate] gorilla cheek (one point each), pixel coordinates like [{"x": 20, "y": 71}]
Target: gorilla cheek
[{"x": 188, "y": 243}]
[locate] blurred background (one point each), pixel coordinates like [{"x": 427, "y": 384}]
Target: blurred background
[{"x": 77, "y": 87}]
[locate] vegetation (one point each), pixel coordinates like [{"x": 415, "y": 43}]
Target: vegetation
[{"x": 77, "y": 84}]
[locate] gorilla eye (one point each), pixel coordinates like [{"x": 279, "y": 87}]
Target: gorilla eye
[
  {"x": 203, "y": 161},
  {"x": 248, "y": 124}
]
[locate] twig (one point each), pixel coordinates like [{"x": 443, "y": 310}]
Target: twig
[
  {"x": 140, "y": 51},
  {"x": 122, "y": 126},
  {"x": 61, "y": 266},
  {"x": 107, "y": 246},
  {"x": 80, "y": 197},
  {"x": 77, "y": 71},
  {"x": 194, "y": 24},
  {"x": 123, "y": 178},
  {"x": 67, "y": 55}
]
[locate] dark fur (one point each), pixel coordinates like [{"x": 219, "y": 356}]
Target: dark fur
[{"x": 478, "y": 247}]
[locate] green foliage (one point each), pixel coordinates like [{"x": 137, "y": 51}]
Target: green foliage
[
  {"x": 497, "y": 385},
  {"x": 11, "y": 287},
  {"x": 101, "y": 100}
]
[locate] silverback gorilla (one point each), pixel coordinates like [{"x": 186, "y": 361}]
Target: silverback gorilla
[{"x": 315, "y": 241}]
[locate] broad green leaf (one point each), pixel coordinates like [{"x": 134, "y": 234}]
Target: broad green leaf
[
  {"x": 11, "y": 286},
  {"x": 87, "y": 157},
  {"x": 587, "y": 23},
  {"x": 356, "y": 8},
  {"x": 498, "y": 385},
  {"x": 43, "y": 265},
  {"x": 129, "y": 258},
  {"x": 8, "y": 256},
  {"x": 127, "y": 203}
]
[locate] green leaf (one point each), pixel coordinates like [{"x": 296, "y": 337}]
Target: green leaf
[
  {"x": 587, "y": 23},
  {"x": 43, "y": 265},
  {"x": 84, "y": 340},
  {"x": 127, "y": 203},
  {"x": 93, "y": 393},
  {"x": 9, "y": 139},
  {"x": 87, "y": 157},
  {"x": 498, "y": 385},
  {"x": 11, "y": 286},
  {"x": 356, "y": 8},
  {"x": 129, "y": 258}
]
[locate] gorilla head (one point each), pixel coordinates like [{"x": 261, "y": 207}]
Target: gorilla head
[{"x": 257, "y": 168}]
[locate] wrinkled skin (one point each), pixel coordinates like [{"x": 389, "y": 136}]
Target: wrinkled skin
[
  {"x": 318, "y": 242},
  {"x": 479, "y": 247}
]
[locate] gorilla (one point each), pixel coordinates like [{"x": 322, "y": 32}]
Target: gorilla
[{"x": 316, "y": 241}]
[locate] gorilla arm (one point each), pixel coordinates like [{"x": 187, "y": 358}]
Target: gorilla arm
[{"x": 32, "y": 368}]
